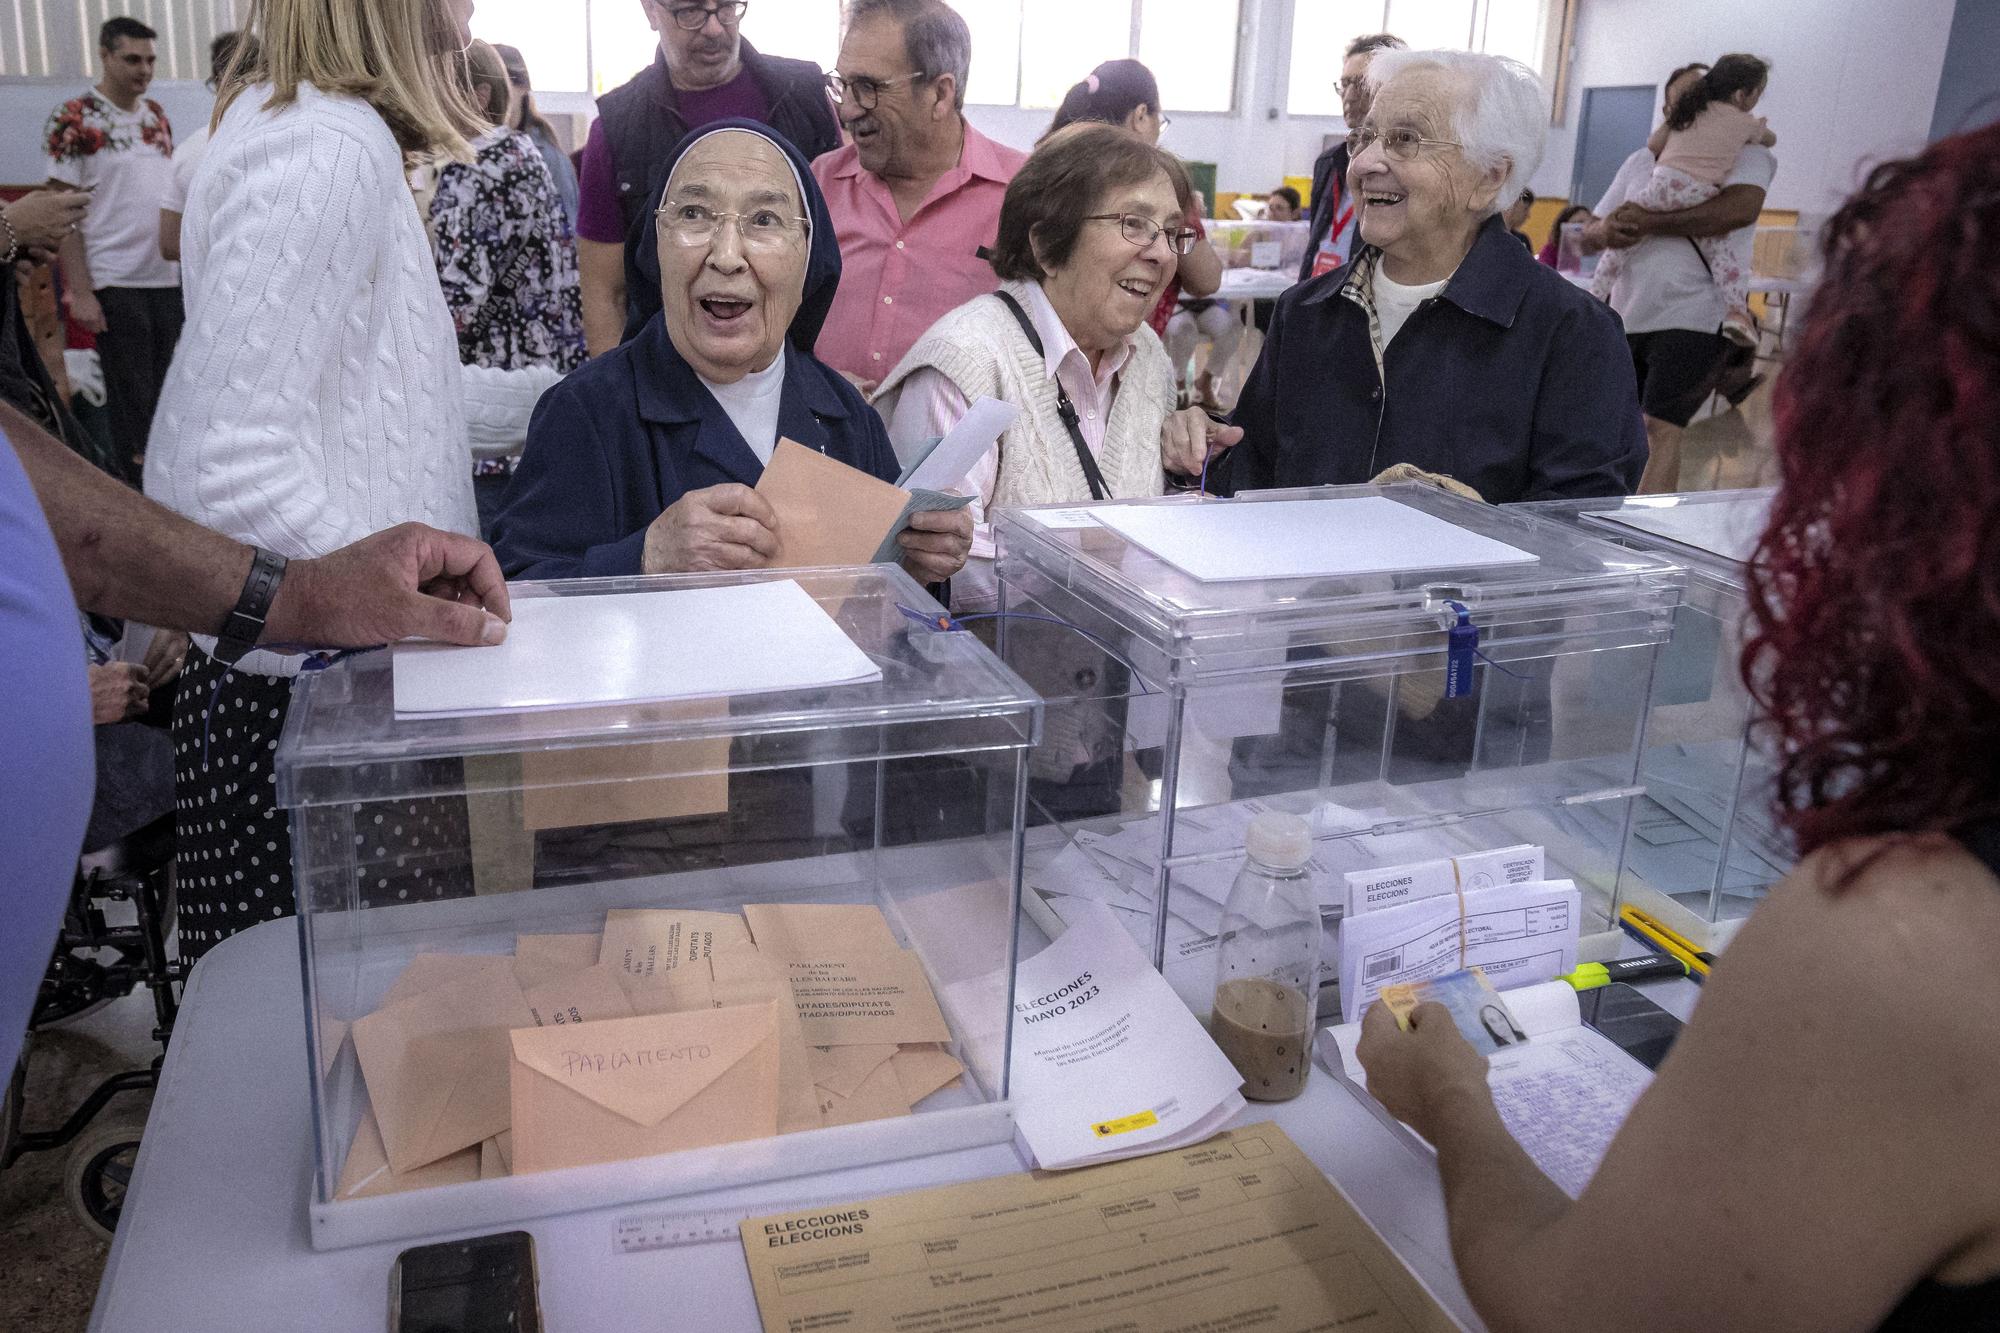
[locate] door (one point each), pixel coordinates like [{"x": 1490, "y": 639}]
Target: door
[{"x": 1614, "y": 122}]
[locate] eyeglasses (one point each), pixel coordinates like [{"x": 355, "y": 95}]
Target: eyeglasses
[
  {"x": 1347, "y": 83},
  {"x": 693, "y": 18},
  {"x": 1401, "y": 143},
  {"x": 865, "y": 91},
  {"x": 759, "y": 229},
  {"x": 1141, "y": 231}
]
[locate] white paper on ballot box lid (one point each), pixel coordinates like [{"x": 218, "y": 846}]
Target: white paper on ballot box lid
[
  {"x": 681, "y": 643},
  {"x": 1312, "y": 538}
]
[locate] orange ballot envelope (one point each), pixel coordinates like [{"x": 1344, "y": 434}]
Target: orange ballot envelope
[
  {"x": 436, "y": 1064},
  {"x": 633, "y": 1087}
]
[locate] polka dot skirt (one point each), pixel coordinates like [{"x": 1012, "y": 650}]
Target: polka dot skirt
[{"x": 234, "y": 845}]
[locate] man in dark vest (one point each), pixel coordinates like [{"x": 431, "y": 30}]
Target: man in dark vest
[
  {"x": 1330, "y": 241},
  {"x": 704, "y": 72}
]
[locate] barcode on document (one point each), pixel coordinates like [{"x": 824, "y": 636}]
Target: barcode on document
[{"x": 1382, "y": 965}]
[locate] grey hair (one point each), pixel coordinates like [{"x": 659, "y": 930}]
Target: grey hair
[
  {"x": 935, "y": 39},
  {"x": 1502, "y": 116}
]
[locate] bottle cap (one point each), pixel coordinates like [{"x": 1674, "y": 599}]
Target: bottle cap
[{"x": 1278, "y": 840}]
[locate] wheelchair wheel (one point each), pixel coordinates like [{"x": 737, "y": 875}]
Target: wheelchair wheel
[{"x": 100, "y": 1169}]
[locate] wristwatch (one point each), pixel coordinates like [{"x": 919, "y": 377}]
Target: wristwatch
[{"x": 246, "y": 623}]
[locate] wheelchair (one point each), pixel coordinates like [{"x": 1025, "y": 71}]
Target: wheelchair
[{"x": 94, "y": 963}]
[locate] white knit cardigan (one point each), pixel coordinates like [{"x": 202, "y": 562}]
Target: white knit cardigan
[
  {"x": 316, "y": 393},
  {"x": 980, "y": 348}
]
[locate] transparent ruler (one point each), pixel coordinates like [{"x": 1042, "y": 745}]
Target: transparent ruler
[{"x": 639, "y": 1232}]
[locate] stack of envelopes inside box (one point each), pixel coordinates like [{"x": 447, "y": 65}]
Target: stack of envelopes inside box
[{"x": 669, "y": 1030}]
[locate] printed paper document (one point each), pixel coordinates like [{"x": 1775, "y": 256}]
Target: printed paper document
[
  {"x": 1519, "y": 933},
  {"x": 1107, "y": 1061},
  {"x": 1240, "y": 1232}
]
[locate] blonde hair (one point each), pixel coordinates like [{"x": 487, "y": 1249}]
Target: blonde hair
[{"x": 402, "y": 57}]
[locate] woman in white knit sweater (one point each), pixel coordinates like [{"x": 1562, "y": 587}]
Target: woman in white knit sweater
[
  {"x": 315, "y": 396},
  {"x": 1091, "y": 231}
]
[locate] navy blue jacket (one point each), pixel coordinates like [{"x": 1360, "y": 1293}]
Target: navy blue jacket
[
  {"x": 1513, "y": 380},
  {"x": 629, "y": 433}
]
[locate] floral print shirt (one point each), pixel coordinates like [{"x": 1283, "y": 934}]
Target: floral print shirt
[
  {"x": 125, "y": 158},
  {"x": 90, "y": 124},
  {"x": 507, "y": 257}
]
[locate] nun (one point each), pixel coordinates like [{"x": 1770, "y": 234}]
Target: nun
[{"x": 645, "y": 460}]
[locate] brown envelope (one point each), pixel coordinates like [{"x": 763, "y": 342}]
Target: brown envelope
[
  {"x": 828, "y": 513},
  {"x": 491, "y": 1164},
  {"x": 879, "y": 1097},
  {"x": 675, "y": 992},
  {"x": 868, "y": 998},
  {"x": 744, "y": 976},
  {"x": 923, "y": 1070},
  {"x": 366, "y": 1172},
  {"x": 648, "y": 942},
  {"x": 633, "y": 1087},
  {"x": 579, "y": 997},
  {"x": 842, "y": 1068},
  {"x": 818, "y": 930},
  {"x": 429, "y": 970},
  {"x": 619, "y": 785},
  {"x": 436, "y": 1065},
  {"x": 564, "y": 951}
]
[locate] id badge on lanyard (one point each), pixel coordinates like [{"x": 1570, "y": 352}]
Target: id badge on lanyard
[{"x": 1332, "y": 251}]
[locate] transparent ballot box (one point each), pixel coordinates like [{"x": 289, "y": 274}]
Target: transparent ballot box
[
  {"x": 1257, "y": 244},
  {"x": 1704, "y": 847},
  {"x": 560, "y": 957},
  {"x": 1417, "y": 675}
]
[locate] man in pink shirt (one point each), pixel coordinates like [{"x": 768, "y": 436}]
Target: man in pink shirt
[{"x": 917, "y": 192}]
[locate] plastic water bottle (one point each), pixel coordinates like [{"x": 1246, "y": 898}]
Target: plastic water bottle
[{"x": 1267, "y": 961}]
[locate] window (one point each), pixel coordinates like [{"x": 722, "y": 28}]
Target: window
[
  {"x": 1093, "y": 31},
  {"x": 1321, "y": 30},
  {"x": 1190, "y": 45}
]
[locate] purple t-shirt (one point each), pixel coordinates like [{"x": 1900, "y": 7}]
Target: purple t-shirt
[
  {"x": 47, "y": 781},
  {"x": 598, "y": 216}
]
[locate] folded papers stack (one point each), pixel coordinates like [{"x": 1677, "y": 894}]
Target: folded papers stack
[{"x": 668, "y": 1030}]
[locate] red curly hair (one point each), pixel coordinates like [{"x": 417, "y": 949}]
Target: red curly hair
[{"x": 1875, "y": 590}]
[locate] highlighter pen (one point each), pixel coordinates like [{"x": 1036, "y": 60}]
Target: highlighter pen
[
  {"x": 1641, "y": 929},
  {"x": 1645, "y": 967}
]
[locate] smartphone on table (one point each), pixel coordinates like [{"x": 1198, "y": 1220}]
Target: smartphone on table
[
  {"x": 1634, "y": 1023},
  {"x": 482, "y": 1285}
]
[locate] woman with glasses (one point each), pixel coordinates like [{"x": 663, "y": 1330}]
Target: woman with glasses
[
  {"x": 1442, "y": 344},
  {"x": 1092, "y": 230},
  {"x": 645, "y": 459},
  {"x": 1125, "y": 93}
]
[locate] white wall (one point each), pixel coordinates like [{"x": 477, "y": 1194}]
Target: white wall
[{"x": 1853, "y": 81}]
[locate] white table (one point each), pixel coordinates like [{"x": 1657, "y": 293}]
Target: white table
[
  {"x": 213, "y": 1235},
  {"x": 1254, "y": 284}
]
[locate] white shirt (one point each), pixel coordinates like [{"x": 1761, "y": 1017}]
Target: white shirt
[
  {"x": 315, "y": 396},
  {"x": 752, "y": 405},
  {"x": 928, "y": 404},
  {"x": 1395, "y": 303},
  {"x": 187, "y": 156},
  {"x": 1664, "y": 284},
  {"x": 127, "y": 176}
]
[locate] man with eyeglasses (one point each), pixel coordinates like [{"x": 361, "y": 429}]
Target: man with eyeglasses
[
  {"x": 704, "y": 72},
  {"x": 916, "y": 195},
  {"x": 1335, "y": 221}
]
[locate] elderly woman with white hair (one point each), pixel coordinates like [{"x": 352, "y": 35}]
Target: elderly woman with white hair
[{"x": 1443, "y": 344}]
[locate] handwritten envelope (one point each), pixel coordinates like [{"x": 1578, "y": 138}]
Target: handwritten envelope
[
  {"x": 634, "y": 1087},
  {"x": 646, "y": 942},
  {"x": 436, "y": 1064}
]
